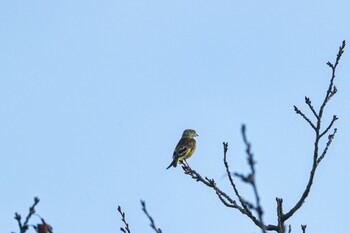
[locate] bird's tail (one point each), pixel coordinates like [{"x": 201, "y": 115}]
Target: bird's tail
[{"x": 173, "y": 163}]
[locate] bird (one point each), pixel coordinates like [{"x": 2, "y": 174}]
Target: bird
[{"x": 184, "y": 148}]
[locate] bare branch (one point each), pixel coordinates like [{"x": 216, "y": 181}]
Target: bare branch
[
  {"x": 224, "y": 198},
  {"x": 243, "y": 203},
  {"x": 210, "y": 183},
  {"x": 251, "y": 176},
  {"x": 126, "y": 229},
  {"x": 331, "y": 88},
  {"x": 245, "y": 179},
  {"x": 296, "y": 109},
  {"x": 330, "y": 140},
  {"x": 31, "y": 211},
  {"x": 340, "y": 53},
  {"x": 316, "y": 158},
  {"x": 280, "y": 219},
  {"x": 303, "y": 227},
  {"x": 24, "y": 227},
  {"x": 153, "y": 225},
  {"x": 329, "y": 126},
  {"x": 18, "y": 218},
  {"x": 308, "y": 102}
]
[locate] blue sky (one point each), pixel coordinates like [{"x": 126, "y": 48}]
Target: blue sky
[{"x": 94, "y": 96}]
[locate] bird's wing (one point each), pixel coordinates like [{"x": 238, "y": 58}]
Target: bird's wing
[
  {"x": 183, "y": 151},
  {"x": 184, "y": 146}
]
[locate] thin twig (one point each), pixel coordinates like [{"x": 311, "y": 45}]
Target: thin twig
[
  {"x": 211, "y": 183},
  {"x": 251, "y": 163},
  {"x": 24, "y": 227},
  {"x": 153, "y": 225},
  {"x": 308, "y": 102},
  {"x": 331, "y": 88},
  {"x": 329, "y": 126},
  {"x": 126, "y": 229},
  {"x": 297, "y": 110},
  {"x": 18, "y": 218},
  {"x": 303, "y": 228},
  {"x": 241, "y": 200},
  {"x": 31, "y": 211},
  {"x": 330, "y": 140}
]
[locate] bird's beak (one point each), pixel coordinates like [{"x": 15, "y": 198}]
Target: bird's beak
[{"x": 197, "y": 135}]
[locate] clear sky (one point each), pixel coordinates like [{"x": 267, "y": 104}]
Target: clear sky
[{"x": 94, "y": 96}]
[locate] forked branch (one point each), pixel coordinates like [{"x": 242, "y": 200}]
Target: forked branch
[
  {"x": 318, "y": 155},
  {"x": 317, "y": 158}
]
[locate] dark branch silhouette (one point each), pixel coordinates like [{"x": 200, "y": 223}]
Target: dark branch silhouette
[
  {"x": 153, "y": 225},
  {"x": 24, "y": 227},
  {"x": 280, "y": 215},
  {"x": 126, "y": 228},
  {"x": 42, "y": 227},
  {"x": 250, "y": 178},
  {"x": 303, "y": 228},
  {"x": 226, "y": 199},
  {"x": 317, "y": 158}
]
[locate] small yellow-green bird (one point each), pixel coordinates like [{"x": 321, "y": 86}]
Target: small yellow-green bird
[{"x": 185, "y": 147}]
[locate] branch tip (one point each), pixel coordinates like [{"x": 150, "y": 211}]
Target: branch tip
[
  {"x": 330, "y": 64},
  {"x": 307, "y": 100},
  {"x": 303, "y": 228}
]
